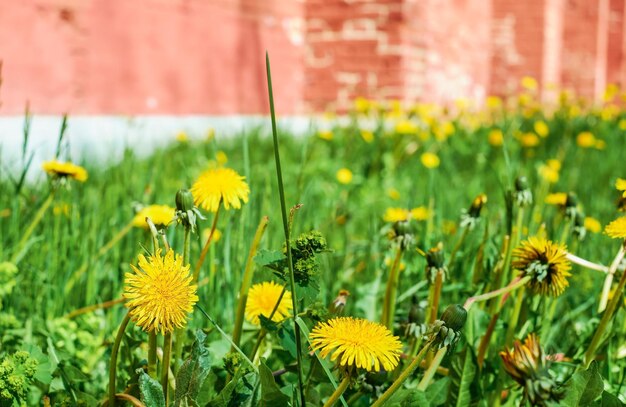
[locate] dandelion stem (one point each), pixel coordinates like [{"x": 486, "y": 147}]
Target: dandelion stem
[
  {"x": 457, "y": 247},
  {"x": 114, "y": 351},
  {"x": 608, "y": 313},
  {"x": 180, "y": 333},
  {"x": 435, "y": 295},
  {"x": 152, "y": 354},
  {"x": 263, "y": 332},
  {"x": 587, "y": 264},
  {"x": 606, "y": 289},
  {"x": 123, "y": 232},
  {"x": 517, "y": 283},
  {"x": 165, "y": 368},
  {"x": 205, "y": 249},
  {"x": 338, "y": 392},
  {"x": 247, "y": 281},
  {"x": 281, "y": 191},
  {"x": 403, "y": 376},
  {"x": 103, "y": 305},
  {"x": 389, "y": 305},
  {"x": 432, "y": 369},
  {"x": 514, "y": 318},
  {"x": 31, "y": 228}
]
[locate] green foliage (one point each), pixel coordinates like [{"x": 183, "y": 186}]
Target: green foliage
[
  {"x": 583, "y": 387},
  {"x": 193, "y": 373},
  {"x": 151, "y": 390},
  {"x": 17, "y": 371}
]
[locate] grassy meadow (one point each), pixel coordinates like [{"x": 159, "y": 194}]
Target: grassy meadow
[{"x": 475, "y": 237}]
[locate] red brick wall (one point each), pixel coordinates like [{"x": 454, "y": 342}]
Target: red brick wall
[
  {"x": 149, "y": 56},
  {"x": 207, "y": 56}
]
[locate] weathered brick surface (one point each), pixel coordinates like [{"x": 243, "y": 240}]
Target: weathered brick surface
[{"x": 206, "y": 56}]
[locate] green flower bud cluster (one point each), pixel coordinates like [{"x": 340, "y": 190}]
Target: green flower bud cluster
[
  {"x": 447, "y": 330},
  {"x": 16, "y": 374},
  {"x": 186, "y": 212},
  {"x": 303, "y": 252}
]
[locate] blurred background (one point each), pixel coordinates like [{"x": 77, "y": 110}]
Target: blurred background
[{"x": 130, "y": 68}]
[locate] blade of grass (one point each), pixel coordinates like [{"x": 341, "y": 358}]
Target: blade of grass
[{"x": 281, "y": 191}]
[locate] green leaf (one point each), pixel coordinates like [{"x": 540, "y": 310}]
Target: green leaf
[
  {"x": 609, "y": 400},
  {"x": 436, "y": 392},
  {"x": 269, "y": 258},
  {"x": 270, "y": 392},
  {"x": 461, "y": 391},
  {"x": 583, "y": 387},
  {"x": 408, "y": 398},
  {"x": 45, "y": 366},
  {"x": 193, "y": 372},
  {"x": 223, "y": 398},
  {"x": 151, "y": 390},
  {"x": 288, "y": 339}
]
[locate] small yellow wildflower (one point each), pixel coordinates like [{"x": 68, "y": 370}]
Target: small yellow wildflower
[
  {"x": 622, "y": 124},
  {"x": 554, "y": 164},
  {"x": 396, "y": 215},
  {"x": 367, "y": 136},
  {"x": 217, "y": 235},
  {"x": 496, "y": 138},
  {"x": 557, "y": 198},
  {"x": 529, "y": 83},
  {"x": 593, "y": 225},
  {"x": 344, "y": 176},
  {"x": 617, "y": 228},
  {"x": 325, "y": 135},
  {"x": 586, "y": 139},
  {"x": 221, "y": 158},
  {"x": 430, "y": 160},
  {"x": 420, "y": 213},
  {"x": 65, "y": 170},
  {"x": 220, "y": 185},
  {"x": 182, "y": 137},
  {"x": 159, "y": 292},
  {"x": 541, "y": 128},
  {"x": 361, "y": 105},
  {"x": 357, "y": 342},
  {"x": 545, "y": 262},
  {"x": 600, "y": 145},
  {"x": 493, "y": 102},
  {"x": 393, "y": 194},
  {"x": 529, "y": 140},
  {"x": 406, "y": 127},
  {"x": 262, "y": 299},
  {"x": 620, "y": 185},
  {"x": 160, "y": 215}
]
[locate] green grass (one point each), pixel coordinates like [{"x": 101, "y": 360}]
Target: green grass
[{"x": 79, "y": 348}]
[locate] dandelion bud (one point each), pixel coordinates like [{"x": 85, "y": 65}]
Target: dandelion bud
[
  {"x": 435, "y": 264},
  {"x": 184, "y": 200},
  {"x": 470, "y": 217},
  {"x": 523, "y": 195},
  {"x": 571, "y": 205},
  {"x": 454, "y": 317}
]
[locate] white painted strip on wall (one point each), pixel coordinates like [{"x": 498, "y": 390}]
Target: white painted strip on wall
[{"x": 104, "y": 138}]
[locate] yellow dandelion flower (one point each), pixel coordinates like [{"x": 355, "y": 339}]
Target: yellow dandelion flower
[
  {"x": 160, "y": 215},
  {"x": 622, "y": 124},
  {"x": 620, "y": 185},
  {"x": 554, "y": 164},
  {"x": 548, "y": 173},
  {"x": 529, "y": 140},
  {"x": 530, "y": 83},
  {"x": 406, "y": 127},
  {"x": 600, "y": 145},
  {"x": 393, "y": 194},
  {"x": 361, "y": 105},
  {"x": 220, "y": 185},
  {"x": 593, "y": 225},
  {"x": 545, "y": 262},
  {"x": 527, "y": 364},
  {"x": 367, "y": 136},
  {"x": 556, "y": 198},
  {"x": 493, "y": 102},
  {"x": 617, "y": 228},
  {"x": 262, "y": 299},
  {"x": 217, "y": 235},
  {"x": 396, "y": 215},
  {"x": 159, "y": 292},
  {"x": 325, "y": 135},
  {"x": 495, "y": 137},
  {"x": 357, "y": 343},
  {"x": 541, "y": 128},
  {"x": 420, "y": 213},
  {"x": 221, "y": 158},
  {"x": 65, "y": 170},
  {"x": 430, "y": 160},
  {"x": 610, "y": 92},
  {"x": 182, "y": 137},
  {"x": 344, "y": 176},
  {"x": 586, "y": 139}
]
